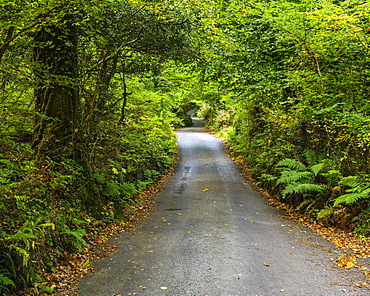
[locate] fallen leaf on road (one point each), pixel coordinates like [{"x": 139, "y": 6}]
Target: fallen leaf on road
[
  {"x": 346, "y": 261},
  {"x": 362, "y": 267},
  {"x": 205, "y": 189}
]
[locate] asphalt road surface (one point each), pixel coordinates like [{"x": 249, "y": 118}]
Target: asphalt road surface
[{"x": 212, "y": 234}]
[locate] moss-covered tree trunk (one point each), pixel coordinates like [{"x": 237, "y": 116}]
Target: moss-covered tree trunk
[
  {"x": 57, "y": 135},
  {"x": 57, "y": 102}
]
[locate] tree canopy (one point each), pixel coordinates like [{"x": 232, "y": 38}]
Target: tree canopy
[{"x": 91, "y": 91}]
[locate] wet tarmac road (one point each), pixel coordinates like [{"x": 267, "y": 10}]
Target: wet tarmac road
[{"x": 212, "y": 234}]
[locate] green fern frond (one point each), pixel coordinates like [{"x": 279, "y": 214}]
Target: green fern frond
[
  {"x": 301, "y": 188},
  {"x": 8, "y": 264},
  {"x": 76, "y": 237},
  {"x": 5, "y": 281},
  {"x": 288, "y": 177},
  {"x": 333, "y": 177},
  {"x": 268, "y": 177},
  {"x": 325, "y": 213},
  {"x": 128, "y": 189},
  {"x": 351, "y": 181},
  {"x": 304, "y": 204},
  {"x": 359, "y": 189},
  {"x": 310, "y": 156},
  {"x": 291, "y": 164},
  {"x": 352, "y": 197},
  {"x": 316, "y": 169}
]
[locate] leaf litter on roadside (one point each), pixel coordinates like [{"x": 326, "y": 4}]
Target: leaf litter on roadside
[
  {"x": 75, "y": 266},
  {"x": 346, "y": 261}
]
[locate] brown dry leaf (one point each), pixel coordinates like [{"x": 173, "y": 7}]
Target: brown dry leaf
[{"x": 346, "y": 261}]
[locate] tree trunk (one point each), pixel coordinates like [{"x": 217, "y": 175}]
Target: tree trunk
[
  {"x": 57, "y": 101},
  {"x": 58, "y": 135}
]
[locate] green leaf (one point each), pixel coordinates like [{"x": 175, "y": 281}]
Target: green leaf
[
  {"x": 288, "y": 177},
  {"x": 301, "y": 188},
  {"x": 292, "y": 164}
]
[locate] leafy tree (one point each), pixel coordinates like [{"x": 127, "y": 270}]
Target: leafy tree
[
  {"x": 57, "y": 100},
  {"x": 298, "y": 72},
  {"x": 68, "y": 70}
]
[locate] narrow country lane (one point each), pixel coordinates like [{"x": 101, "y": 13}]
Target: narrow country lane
[{"x": 212, "y": 234}]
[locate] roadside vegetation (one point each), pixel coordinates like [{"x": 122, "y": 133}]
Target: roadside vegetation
[
  {"x": 292, "y": 99},
  {"x": 91, "y": 91},
  {"x": 89, "y": 99}
]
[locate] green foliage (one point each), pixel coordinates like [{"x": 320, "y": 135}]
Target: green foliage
[
  {"x": 75, "y": 238},
  {"x": 359, "y": 188},
  {"x": 298, "y": 75},
  {"x": 131, "y": 96},
  {"x": 301, "y": 188},
  {"x": 332, "y": 177},
  {"x": 285, "y": 82},
  {"x": 363, "y": 224},
  {"x": 17, "y": 267},
  {"x": 5, "y": 283},
  {"x": 298, "y": 179},
  {"x": 292, "y": 164},
  {"x": 325, "y": 212}
]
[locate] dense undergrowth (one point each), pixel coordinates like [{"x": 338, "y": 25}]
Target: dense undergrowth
[
  {"x": 293, "y": 101},
  {"x": 44, "y": 212},
  {"x": 90, "y": 92},
  {"x": 334, "y": 192}
]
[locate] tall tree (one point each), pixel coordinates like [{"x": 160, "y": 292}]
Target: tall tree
[{"x": 57, "y": 101}]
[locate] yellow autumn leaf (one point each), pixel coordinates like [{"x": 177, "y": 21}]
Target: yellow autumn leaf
[
  {"x": 205, "y": 190},
  {"x": 346, "y": 261}
]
